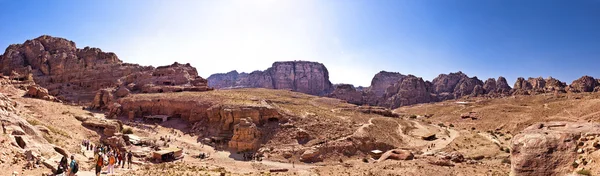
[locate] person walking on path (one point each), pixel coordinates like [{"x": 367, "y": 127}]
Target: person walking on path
[
  {"x": 111, "y": 163},
  {"x": 99, "y": 163}
]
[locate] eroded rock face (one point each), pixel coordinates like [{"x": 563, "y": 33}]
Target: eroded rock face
[
  {"x": 36, "y": 91},
  {"x": 583, "y": 84},
  {"x": 554, "y": 85},
  {"x": 448, "y": 82},
  {"x": 302, "y": 76},
  {"x": 502, "y": 86},
  {"x": 466, "y": 86},
  {"x": 382, "y": 80},
  {"x": 411, "y": 90},
  {"x": 347, "y": 92},
  {"x": 489, "y": 86},
  {"x": 246, "y": 136},
  {"x": 75, "y": 74},
  {"x": 549, "y": 148}
]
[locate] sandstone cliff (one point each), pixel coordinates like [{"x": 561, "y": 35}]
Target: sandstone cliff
[
  {"x": 75, "y": 74},
  {"x": 302, "y": 76}
]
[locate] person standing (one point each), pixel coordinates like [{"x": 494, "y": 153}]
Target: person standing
[
  {"x": 111, "y": 163},
  {"x": 129, "y": 159},
  {"x": 74, "y": 166},
  {"x": 99, "y": 163},
  {"x": 119, "y": 158}
]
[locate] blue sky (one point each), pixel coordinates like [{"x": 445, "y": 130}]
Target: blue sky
[{"x": 354, "y": 39}]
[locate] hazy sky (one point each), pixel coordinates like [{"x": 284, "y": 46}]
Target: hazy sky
[{"x": 354, "y": 39}]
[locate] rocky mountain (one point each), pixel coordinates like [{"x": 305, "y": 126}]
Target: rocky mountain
[
  {"x": 392, "y": 90},
  {"x": 302, "y": 76},
  {"x": 74, "y": 74}
]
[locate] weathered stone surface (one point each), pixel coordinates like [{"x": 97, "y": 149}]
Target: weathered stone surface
[
  {"x": 36, "y": 91},
  {"x": 302, "y": 76},
  {"x": 447, "y": 82},
  {"x": 548, "y": 148},
  {"x": 502, "y": 86},
  {"x": 466, "y": 86},
  {"x": 246, "y": 136},
  {"x": 75, "y": 74},
  {"x": 583, "y": 84},
  {"x": 411, "y": 90},
  {"x": 382, "y": 80},
  {"x": 478, "y": 91},
  {"x": 397, "y": 154},
  {"x": 489, "y": 86},
  {"x": 347, "y": 92},
  {"x": 554, "y": 85}
]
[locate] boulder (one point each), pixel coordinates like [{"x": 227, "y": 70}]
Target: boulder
[
  {"x": 122, "y": 91},
  {"x": 311, "y": 155},
  {"x": 548, "y": 148},
  {"x": 36, "y": 91},
  {"x": 397, "y": 154}
]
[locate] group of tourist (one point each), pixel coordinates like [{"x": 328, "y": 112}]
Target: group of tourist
[
  {"x": 104, "y": 155},
  {"x": 87, "y": 144}
]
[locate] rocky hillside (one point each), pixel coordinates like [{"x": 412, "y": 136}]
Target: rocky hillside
[
  {"x": 74, "y": 74},
  {"x": 392, "y": 90},
  {"x": 302, "y": 76}
]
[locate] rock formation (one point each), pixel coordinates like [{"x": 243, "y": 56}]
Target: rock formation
[
  {"x": 347, "y": 92},
  {"x": 583, "y": 84},
  {"x": 302, "y": 76},
  {"x": 551, "y": 148},
  {"x": 36, "y": 91},
  {"x": 538, "y": 85},
  {"x": 411, "y": 90},
  {"x": 382, "y": 80},
  {"x": 75, "y": 74},
  {"x": 447, "y": 82},
  {"x": 246, "y": 136}
]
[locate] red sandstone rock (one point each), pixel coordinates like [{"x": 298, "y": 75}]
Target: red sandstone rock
[
  {"x": 76, "y": 74},
  {"x": 302, "y": 76}
]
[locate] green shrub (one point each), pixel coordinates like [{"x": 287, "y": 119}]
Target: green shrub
[
  {"x": 584, "y": 172},
  {"x": 127, "y": 131}
]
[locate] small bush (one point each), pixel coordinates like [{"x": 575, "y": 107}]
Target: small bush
[
  {"x": 584, "y": 172},
  {"x": 451, "y": 125},
  {"x": 441, "y": 125},
  {"x": 574, "y": 164},
  {"x": 33, "y": 122},
  {"x": 506, "y": 161},
  {"x": 127, "y": 131},
  {"x": 413, "y": 116}
]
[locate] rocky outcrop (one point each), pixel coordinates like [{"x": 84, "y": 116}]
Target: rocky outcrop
[
  {"x": 246, "y": 136},
  {"x": 347, "y": 92},
  {"x": 583, "y": 84},
  {"x": 411, "y": 90},
  {"x": 302, "y": 76},
  {"x": 551, "y": 148},
  {"x": 554, "y": 85},
  {"x": 35, "y": 91},
  {"x": 448, "y": 82},
  {"x": 538, "y": 85},
  {"x": 502, "y": 86},
  {"x": 489, "y": 86},
  {"x": 75, "y": 74},
  {"x": 466, "y": 86},
  {"x": 382, "y": 80}
]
